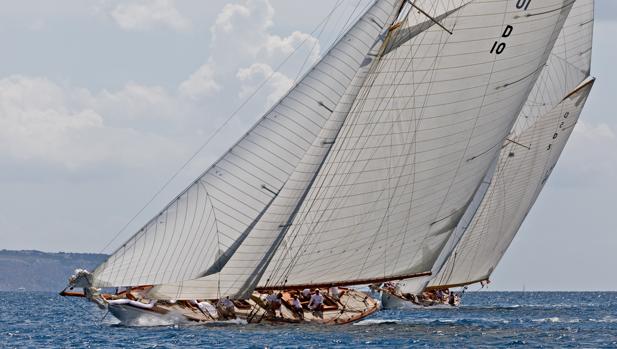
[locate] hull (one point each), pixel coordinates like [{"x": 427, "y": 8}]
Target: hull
[
  {"x": 350, "y": 307},
  {"x": 395, "y": 302}
]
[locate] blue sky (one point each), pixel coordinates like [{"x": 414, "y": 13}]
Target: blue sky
[{"x": 102, "y": 101}]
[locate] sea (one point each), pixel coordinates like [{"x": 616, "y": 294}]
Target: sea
[{"x": 485, "y": 320}]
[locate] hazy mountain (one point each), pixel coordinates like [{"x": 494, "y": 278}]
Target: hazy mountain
[{"x": 42, "y": 271}]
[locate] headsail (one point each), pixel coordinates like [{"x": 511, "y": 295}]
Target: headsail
[
  {"x": 197, "y": 232},
  {"x": 519, "y": 177}
]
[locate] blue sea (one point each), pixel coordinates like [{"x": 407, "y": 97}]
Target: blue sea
[{"x": 487, "y": 319}]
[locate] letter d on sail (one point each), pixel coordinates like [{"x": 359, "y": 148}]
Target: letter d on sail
[{"x": 507, "y": 31}]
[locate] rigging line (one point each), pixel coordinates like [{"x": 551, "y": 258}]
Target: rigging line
[{"x": 219, "y": 129}]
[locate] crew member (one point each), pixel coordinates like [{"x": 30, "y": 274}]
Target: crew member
[{"x": 316, "y": 303}]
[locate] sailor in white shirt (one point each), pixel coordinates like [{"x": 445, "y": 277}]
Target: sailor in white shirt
[
  {"x": 316, "y": 302},
  {"x": 297, "y": 307}
]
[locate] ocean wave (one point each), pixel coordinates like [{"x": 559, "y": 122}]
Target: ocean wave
[
  {"x": 370, "y": 322},
  {"x": 606, "y": 319},
  {"x": 429, "y": 321},
  {"x": 556, "y": 319}
]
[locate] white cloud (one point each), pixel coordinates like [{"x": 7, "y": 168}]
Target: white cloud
[
  {"x": 242, "y": 28},
  {"x": 201, "y": 83},
  {"x": 244, "y": 31},
  {"x": 43, "y": 122},
  {"x": 46, "y": 123},
  {"x": 243, "y": 45},
  {"x": 252, "y": 77},
  {"x": 147, "y": 14},
  {"x": 283, "y": 46}
]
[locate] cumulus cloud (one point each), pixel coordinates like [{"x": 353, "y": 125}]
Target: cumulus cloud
[
  {"x": 46, "y": 122},
  {"x": 147, "y": 14},
  {"x": 244, "y": 31},
  {"x": 202, "y": 83},
  {"x": 41, "y": 121}
]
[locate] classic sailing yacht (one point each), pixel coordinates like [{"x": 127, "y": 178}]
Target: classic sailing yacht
[
  {"x": 360, "y": 174},
  {"x": 526, "y": 160}
]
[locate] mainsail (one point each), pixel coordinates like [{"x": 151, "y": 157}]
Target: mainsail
[
  {"x": 364, "y": 169},
  {"x": 529, "y": 155}
]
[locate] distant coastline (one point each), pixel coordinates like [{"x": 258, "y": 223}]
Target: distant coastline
[{"x": 31, "y": 270}]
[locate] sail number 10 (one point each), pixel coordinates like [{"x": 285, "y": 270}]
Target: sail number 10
[{"x": 499, "y": 47}]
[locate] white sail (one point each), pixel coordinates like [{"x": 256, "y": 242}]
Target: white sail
[
  {"x": 493, "y": 229},
  {"x": 417, "y": 143},
  {"x": 406, "y": 142},
  {"x": 484, "y": 90},
  {"x": 199, "y": 231}
]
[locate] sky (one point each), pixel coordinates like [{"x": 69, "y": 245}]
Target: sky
[{"x": 102, "y": 101}]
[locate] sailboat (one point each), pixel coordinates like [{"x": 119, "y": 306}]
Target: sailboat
[
  {"x": 359, "y": 175},
  {"x": 527, "y": 158}
]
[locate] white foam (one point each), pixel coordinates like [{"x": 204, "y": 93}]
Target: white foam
[
  {"x": 154, "y": 321},
  {"x": 606, "y": 319},
  {"x": 234, "y": 322},
  {"x": 557, "y": 320},
  {"x": 376, "y": 322}
]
